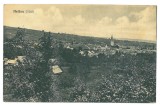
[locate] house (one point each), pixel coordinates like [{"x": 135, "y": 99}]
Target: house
[
  {"x": 5, "y": 61},
  {"x": 91, "y": 53},
  {"x": 82, "y": 53},
  {"x": 21, "y": 58},
  {"x": 68, "y": 47},
  {"x": 18, "y": 46},
  {"x": 11, "y": 62},
  {"x": 56, "y": 69}
]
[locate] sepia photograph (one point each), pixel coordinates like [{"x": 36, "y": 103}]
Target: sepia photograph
[{"x": 79, "y": 53}]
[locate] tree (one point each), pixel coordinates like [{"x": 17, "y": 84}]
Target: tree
[
  {"x": 42, "y": 80},
  {"x": 19, "y": 37},
  {"x": 10, "y": 47},
  {"x": 9, "y": 51},
  {"x": 45, "y": 46}
]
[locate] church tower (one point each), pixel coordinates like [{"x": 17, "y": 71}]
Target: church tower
[{"x": 112, "y": 41}]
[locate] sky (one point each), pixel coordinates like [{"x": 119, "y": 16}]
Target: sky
[{"x": 121, "y": 21}]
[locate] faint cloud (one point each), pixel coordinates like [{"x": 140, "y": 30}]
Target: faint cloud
[
  {"x": 105, "y": 21},
  {"x": 146, "y": 15},
  {"x": 78, "y": 19},
  {"x": 54, "y": 15},
  {"x": 122, "y": 20}
]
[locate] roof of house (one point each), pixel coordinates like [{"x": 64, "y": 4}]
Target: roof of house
[
  {"x": 12, "y": 61},
  {"x": 5, "y": 59},
  {"x": 21, "y": 58},
  {"x": 56, "y": 69}
]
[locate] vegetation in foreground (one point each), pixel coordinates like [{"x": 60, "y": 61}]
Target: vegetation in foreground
[{"x": 114, "y": 78}]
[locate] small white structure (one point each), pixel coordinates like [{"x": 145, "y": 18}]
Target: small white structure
[
  {"x": 112, "y": 41},
  {"x": 12, "y": 62},
  {"x": 56, "y": 69},
  {"x": 106, "y": 46},
  {"x": 21, "y": 58},
  {"x": 36, "y": 44},
  {"x": 91, "y": 53},
  {"x": 82, "y": 53},
  {"x": 18, "y": 46},
  {"x": 68, "y": 47},
  {"x": 5, "y": 59},
  {"x": 53, "y": 62}
]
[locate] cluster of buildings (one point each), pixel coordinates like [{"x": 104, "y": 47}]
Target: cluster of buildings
[
  {"x": 91, "y": 50},
  {"x": 15, "y": 61}
]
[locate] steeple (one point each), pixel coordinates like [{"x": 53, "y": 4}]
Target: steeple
[
  {"x": 112, "y": 37},
  {"x": 112, "y": 41}
]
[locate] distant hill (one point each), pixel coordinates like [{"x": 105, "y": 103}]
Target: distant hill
[{"x": 34, "y": 35}]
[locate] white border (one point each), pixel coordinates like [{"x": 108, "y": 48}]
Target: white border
[
  {"x": 132, "y": 2},
  {"x": 115, "y": 2}
]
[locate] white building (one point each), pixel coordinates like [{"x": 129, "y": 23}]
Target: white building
[
  {"x": 112, "y": 41},
  {"x": 56, "y": 69}
]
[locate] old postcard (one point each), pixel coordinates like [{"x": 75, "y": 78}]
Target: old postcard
[{"x": 79, "y": 53}]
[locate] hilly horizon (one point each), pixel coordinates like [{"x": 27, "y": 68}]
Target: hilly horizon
[{"x": 34, "y": 35}]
